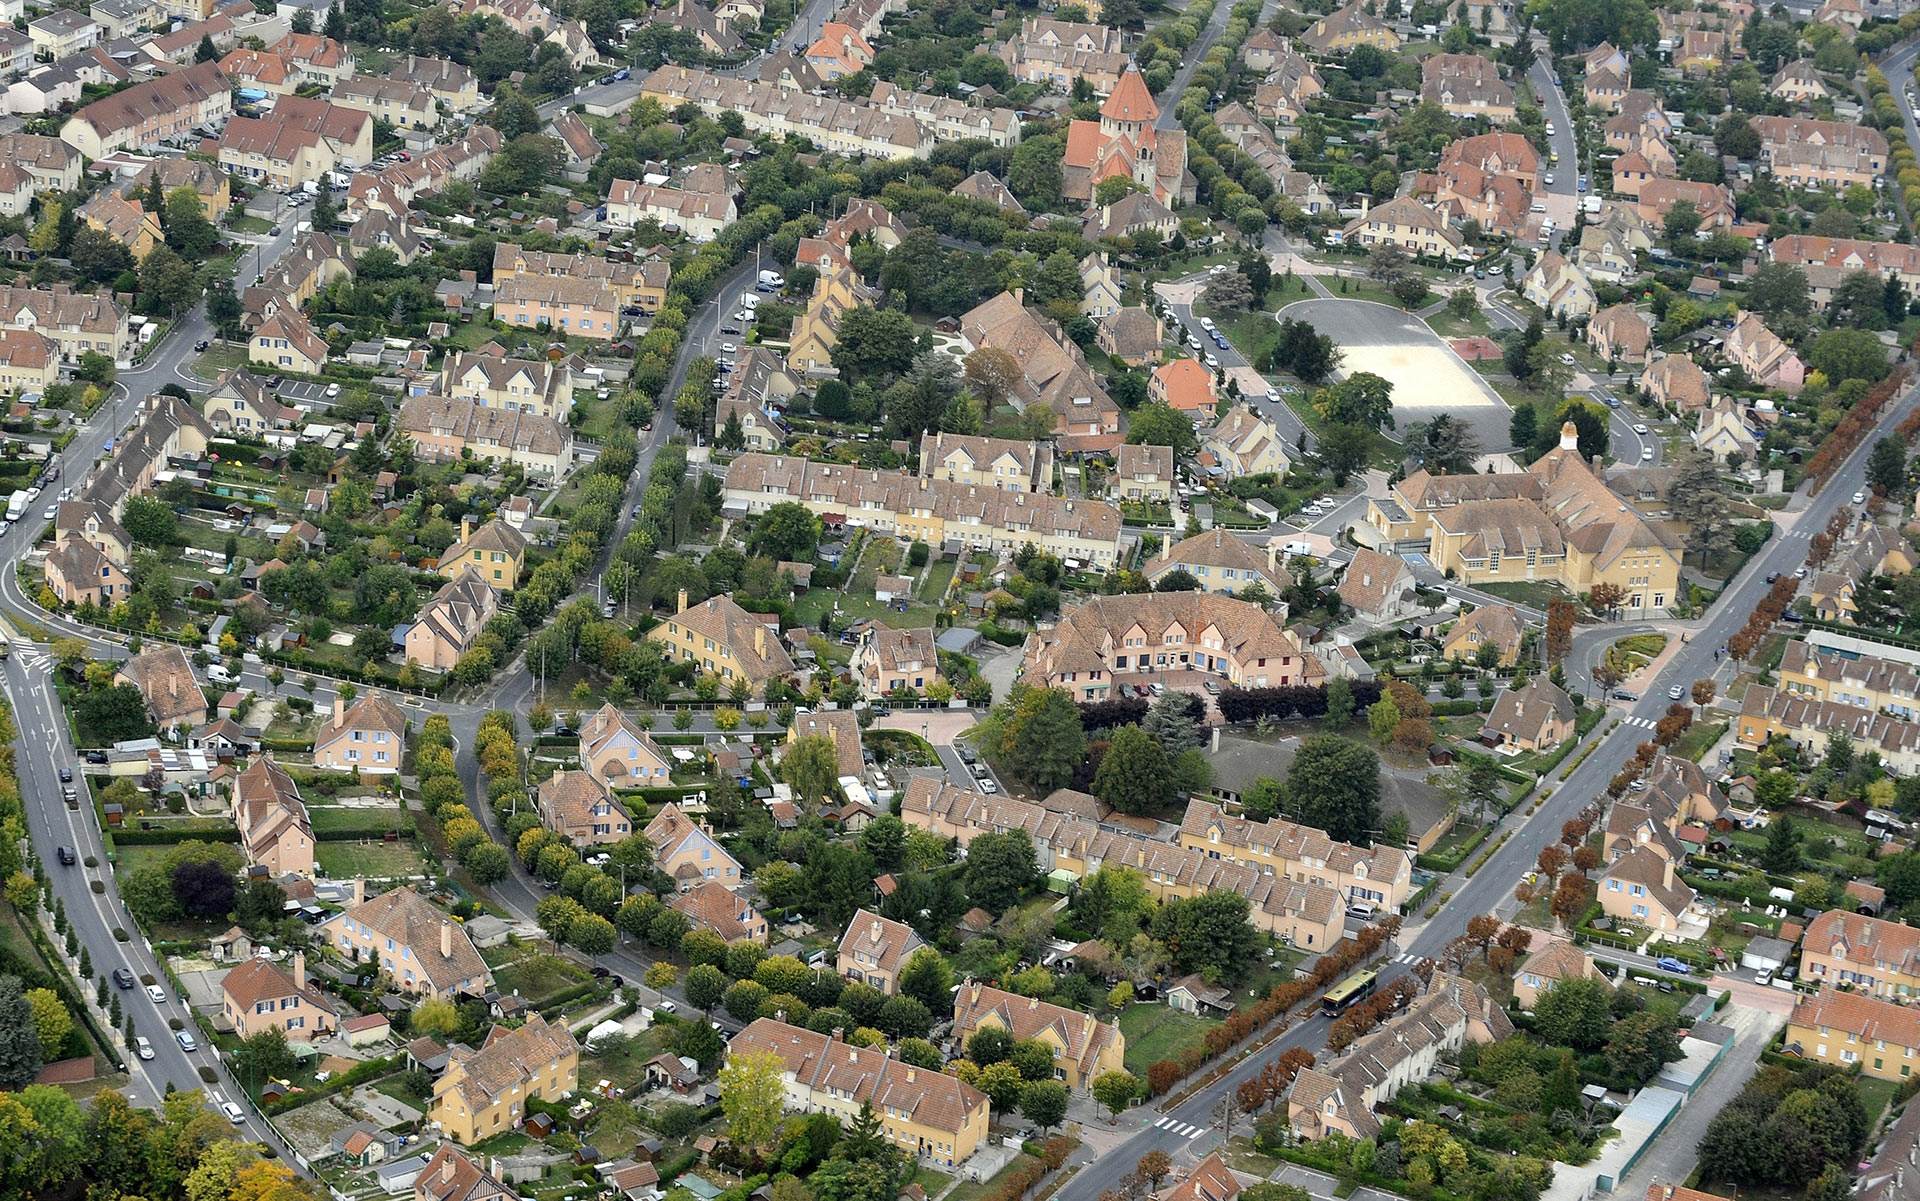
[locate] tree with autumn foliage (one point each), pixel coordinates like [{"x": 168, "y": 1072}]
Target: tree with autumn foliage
[
  {"x": 1703, "y": 692},
  {"x": 1569, "y": 899},
  {"x": 1552, "y": 860},
  {"x": 1561, "y": 613},
  {"x": 1606, "y": 598},
  {"x": 1483, "y": 928}
]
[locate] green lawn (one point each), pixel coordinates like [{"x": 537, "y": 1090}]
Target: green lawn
[
  {"x": 1876, "y": 1094},
  {"x": 218, "y": 358},
  {"x": 1698, "y": 739},
  {"x": 250, "y": 225},
  {"x": 1155, "y": 1032},
  {"x": 538, "y": 977},
  {"x": 1449, "y": 326},
  {"x": 939, "y": 576},
  {"x": 375, "y": 860},
  {"x": 970, "y": 1190},
  {"x": 342, "y": 817}
]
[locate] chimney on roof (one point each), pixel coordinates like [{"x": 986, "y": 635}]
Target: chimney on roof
[
  {"x": 359, "y": 890},
  {"x": 760, "y": 639},
  {"x": 446, "y": 1168},
  {"x": 446, "y": 939},
  {"x": 1666, "y": 872},
  {"x": 1569, "y": 436},
  {"x": 683, "y": 601},
  {"x": 299, "y": 971},
  {"x": 339, "y": 711}
]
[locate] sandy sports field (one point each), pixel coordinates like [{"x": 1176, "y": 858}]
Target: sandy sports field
[{"x": 1428, "y": 378}]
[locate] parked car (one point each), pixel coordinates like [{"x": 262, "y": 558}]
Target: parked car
[
  {"x": 202, "y": 344},
  {"x": 96, "y": 756},
  {"x": 1668, "y": 963},
  {"x": 66, "y": 857},
  {"x": 235, "y": 1114},
  {"x": 66, "y": 775},
  {"x": 123, "y": 978},
  {"x": 142, "y": 1047},
  {"x": 186, "y": 1041},
  {"x": 1763, "y": 976},
  {"x": 1859, "y": 498},
  {"x": 1676, "y": 692}
]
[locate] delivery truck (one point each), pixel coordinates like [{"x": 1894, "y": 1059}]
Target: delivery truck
[{"x": 17, "y": 505}]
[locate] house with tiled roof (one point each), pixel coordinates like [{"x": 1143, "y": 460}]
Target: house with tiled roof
[
  {"x": 1002, "y": 463},
  {"x": 1805, "y": 152},
  {"x": 887, "y": 660},
  {"x": 1083, "y": 1046},
  {"x": 167, "y": 106},
  {"x": 1054, "y": 370},
  {"x": 614, "y": 749},
  {"x": 711, "y": 905},
  {"x": 1378, "y": 588},
  {"x": 984, "y": 185},
  {"x": 1713, "y": 201},
  {"x": 1559, "y": 287},
  {"x": 583, "y": 149},
  {"x": 257, "y": 996},
  {"x": 688, "y": 852},
  {"x": 241, "y": 403},
  {"x": 1868, "y": 955},
  {"x": 1618, "y": 333},
  {"x": 873, "y": 949},
  {"x": 1132, "y": 215},
  {"x": 1499, "y": 625},
  {"x": 1210, "y": 1179},
  {"x": 1466, "y": 85},
  {"x": 1219, "y": 561},
  {"x": 1142, "y": 473},
  {"x": 449, "y": 623},
  {"x": 79, "y": 573},
  {"x": 1308, "y": 914},
  {"x": 1351, "y": 26},
  {"x": 1340, "y": 1096},
  {"x": 370, "y": 737},
  {"x": 927, "y": 1114},
  {"x": 275, "y": 830},
  {"x": 1642, "y": 887},
  {"x": 164, "y": 676},
  {"x": 421, "y": 949},
  {"x": 1111, "y": 638},
  {"x": 723, "y": 639},
  {"x": 1767, "y": 360},
  {"x": 1558, "y": 960},
  {"x": 1847, "y": 1029},
  {"x": 1184, "y": 385},
  {"x": 451, "y": 1176},
  {"x": 1798, "y": 82},
  {"x": 1537, "y": 717},
  {"x": 446, "y": 428},
  {"x": 485, "y": 1092},
  {"x": 1604, "y": 88},
  {"x": 1406, "y": 223},
  {"x": 1131, "y": 334},
  {"x": 580, "y": 807},
  {"x": 1677, "y": 383},
  {"x": 1057, "y": 54},
  {"x": 286, "y": 342},
  {"x": 1379, "y": 875},
  {"x": 495, "y": 551},
  {"x": 839, "y": 726},
  {"x": 1245, "y": 443},
  {"x": 1767, "y": 712}
]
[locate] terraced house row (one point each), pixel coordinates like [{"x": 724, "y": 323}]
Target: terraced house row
[
  {"x": 893, "y": 124},
  {"x": 933, "y": 511},
  {"x": 1309, "y": 915}
]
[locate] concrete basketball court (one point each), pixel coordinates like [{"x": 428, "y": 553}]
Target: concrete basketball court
[{"x": 1428, "y": 378}]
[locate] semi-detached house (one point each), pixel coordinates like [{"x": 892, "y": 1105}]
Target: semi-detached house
[
  {"x": 1866, "y": 954},
  {"x": 449, "y": 623},
  {"x": 1111, "y": 639},
  {"x": 1379, "y": 875},
  {"x": 688, "y": 852},
  {"x": 701, "y": 216},
  {"x": 483, "y": 1093},
  {"x": 926, "y": 1114},
  {"x": 873, "y": 949},
  {"x": 442, "y": 427},
  {"x": 580, "y": 807},
  {"x": 301, "y": 141},
  {"x": 422, "y": 950},
  {"x": 1846, "y": 1028},
  {"x": 724, "y": 640},
  {"x": 369, "y": 737}
]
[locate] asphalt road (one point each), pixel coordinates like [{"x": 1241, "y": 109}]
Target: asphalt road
[
  {"x": 1562, "y": 194},
  {"x": 45, "y": 747},
  {"x": 1188, "y": 1127}
]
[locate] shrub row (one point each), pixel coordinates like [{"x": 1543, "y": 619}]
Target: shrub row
[
  {"x": 372, "y": 1069},
  {"x": 163, "y": 837}
]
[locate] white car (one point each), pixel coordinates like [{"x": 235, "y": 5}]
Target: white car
[
  {"x": 143, "y": 1048},
  {"x": 333, "y": 390},
  {"x": 728, "y": 348},
  {"x": 50, "y": 512},
  {"x": 156, "y": 994},
  {"x": 1547, "y": 179},
  {"x": 1206, "y": 323},
  {"x": 1212, "y": 362},
  {"x": 1549, "y": 129},
  {"x": 235, "y": 1114},
  {"x": 186, "y": 1041},
  {"x": 1273, "y": 396},
  {"x": 1639, "y": 428},
  {"x": 1646, "y": 452},
  {"x": 1859, "y": 498},
  {"x": 1676, "y": 692}
]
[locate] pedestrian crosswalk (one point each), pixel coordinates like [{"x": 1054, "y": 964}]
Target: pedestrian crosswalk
[
  {"x": 1408, "y": 957},
  {"x": 1644, "y": 723},
  {"x": 1180, "y": 1128}
]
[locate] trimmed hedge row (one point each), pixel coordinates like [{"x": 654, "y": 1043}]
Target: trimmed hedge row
[{"x": 156, "y": 838}]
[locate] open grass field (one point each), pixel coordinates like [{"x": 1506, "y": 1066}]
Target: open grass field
[
  {"x": 375, "y": 860},
  {"x": 1155, "y": 1032}
]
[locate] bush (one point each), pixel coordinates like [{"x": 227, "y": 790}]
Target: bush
[
  {"x": 209, "y": 1076},
  {"x": 99, "y": 887},
  {"x": 119, "y": 935}
]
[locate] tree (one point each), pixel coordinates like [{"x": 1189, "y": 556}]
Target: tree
[
  {"x": 1573, "y": 1012},
  {"x": 1044, "y": 1103},
  {"x": 206, "y": 51},
  {"x": 267, "y": 1055},
  {"x": 487, "y": 863},
  {"x": 188, "y": 230},
  {"x": 1158, "y": 424},
  {"x": 1844, "y": 354},
  {"x": 52, "y": 1024},
  {"x": 875, "y": 341},
  {"x": 1887, "y": 465},
  {"x": 752, "y": 1096},
  {"x": 1640, "y": 1043},
  {"x": 812, "y": 766},
  {"x": 1363, "y": 399},
  {"x": 1700, "y": 504},
  {"x": 786, "y": 531},
  {"x": 926, "y": 976},
  {"x": 149, "y": 520},
  {"x": 1154, "y": 1167},
  {"x": 593, "y": 934},
  {"x": 434, "y": 1017},
  {"x": 1000, "y": 868},
  {"x": 167, "y": 283},
  {"x": 21, "y": 1054},
  {"x": 205, "y": 888},
  {"x": 1115, "y": 1090},
  {"x": 1133, "y": 776},
  {"x": 1778, "y": 290},
  {"x": 1229, "y": 291},
  {"x": 1043, "y": 742},
  {"x": 1559, "y": 637},
  {"x": 1208, "y": 933},
  {"x": 1681, "y": 223},
  {"x": 1334, "y": 785},
  {"x": 1781, "y": 854}
]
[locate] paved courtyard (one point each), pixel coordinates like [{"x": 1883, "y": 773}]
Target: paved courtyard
[{"x": 1428, "y": 378}]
